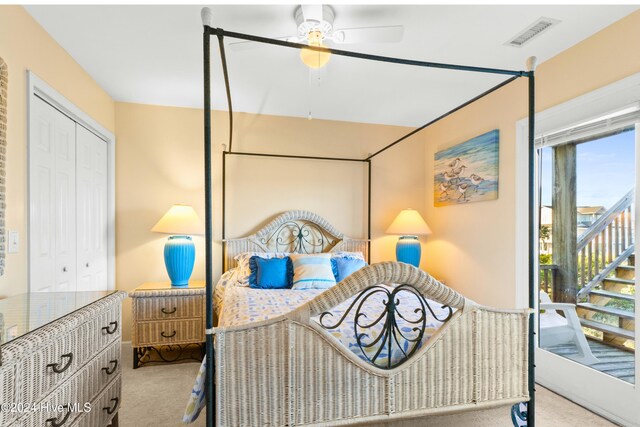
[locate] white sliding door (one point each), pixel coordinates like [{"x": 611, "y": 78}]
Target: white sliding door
[
  {"x": 587, "y": 180},
  {"x": 52, "y": 212},
  {"x": 92, "y": 227}
]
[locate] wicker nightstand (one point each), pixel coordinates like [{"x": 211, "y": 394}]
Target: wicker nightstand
[{"x": 167, "y": 320}]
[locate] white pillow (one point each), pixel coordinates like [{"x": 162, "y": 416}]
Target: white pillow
[
  {"x": 312, "y": 271},
  {"x": 242, "y": 260}
]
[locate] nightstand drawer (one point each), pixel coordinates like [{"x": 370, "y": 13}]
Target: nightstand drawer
[
  {"x": 169, "y": 307},
  {"x": 169, "y": 332}
]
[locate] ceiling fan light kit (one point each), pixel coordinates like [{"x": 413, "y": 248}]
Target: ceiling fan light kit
[
  {"x": 312, "y": 58},
  {"x": 314, "y": 23}
]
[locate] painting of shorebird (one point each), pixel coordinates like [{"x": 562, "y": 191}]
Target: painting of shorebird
[{"x": 467, "y": 172}]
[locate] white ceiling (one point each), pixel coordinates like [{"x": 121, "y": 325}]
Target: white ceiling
[{"x": 153, "y": 55}]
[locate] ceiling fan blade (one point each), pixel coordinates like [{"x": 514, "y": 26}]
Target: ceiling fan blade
[
  {"x": 312, "y": 12},
  {"x": 247, "y": 45},
  {"x": 390, "y": 34}
]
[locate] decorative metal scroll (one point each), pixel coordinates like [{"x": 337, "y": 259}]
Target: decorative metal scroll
[
  {"x": 392, "y": 335},
  {"x": 302, "y": 238}
]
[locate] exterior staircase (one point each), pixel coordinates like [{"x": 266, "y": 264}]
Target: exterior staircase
[
  {"x": 606, "y": 276},
  {"x": 609, "y": 307}
]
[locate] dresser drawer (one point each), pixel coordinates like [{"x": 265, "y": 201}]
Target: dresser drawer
[
  {"x": 61, "y": 407},
  {"x": 103, "y": 408},
  {"x": 169, "y": 332},
  {"x": 49, "y": 366},
  {"x": 105, "y": 329},
  {"x": 169, "y": 307},
  {"x": 94, "y": 377}
]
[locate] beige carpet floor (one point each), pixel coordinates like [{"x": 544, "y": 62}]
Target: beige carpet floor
[{"x": 155, "y": 396}]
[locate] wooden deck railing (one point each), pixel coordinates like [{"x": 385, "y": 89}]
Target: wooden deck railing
[
  {"x": 608, "y": 242},
  {"x": 546, "y": 278}
]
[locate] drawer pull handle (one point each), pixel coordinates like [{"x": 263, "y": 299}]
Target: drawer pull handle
[
  {"x": 112, "y": 409},
  {"x": 168, "y": 312},
  {"x": 56, "y": 366},
  {"x": 54, "y": 421},
  {"x": 173, "y": 334},
  {"x": 113, "y": 369},
  {"x": 108, "y": 329}
]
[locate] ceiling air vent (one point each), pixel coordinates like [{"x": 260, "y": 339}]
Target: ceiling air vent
[{"x": 534, "y": 30}]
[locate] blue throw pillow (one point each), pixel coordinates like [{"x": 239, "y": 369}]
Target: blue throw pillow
[
  {"x": 270, "y": 273},
  {"x": 344, "y": 267}
]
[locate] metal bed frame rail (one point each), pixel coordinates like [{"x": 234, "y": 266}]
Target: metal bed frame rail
[{"x": 210, "y": 30}]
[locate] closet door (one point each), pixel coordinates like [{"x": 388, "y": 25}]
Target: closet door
[
  {"x": 52, "y": 213},
  {"x": 92, "y": 227}
]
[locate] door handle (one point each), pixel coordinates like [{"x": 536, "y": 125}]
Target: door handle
[{"x": 164, "y": 310}]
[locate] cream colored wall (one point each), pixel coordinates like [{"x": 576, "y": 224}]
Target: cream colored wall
[
  {"x": 472, "y": 247},
  {"x": 24, "y": 45},
  {"x": 160, "y": 162}
]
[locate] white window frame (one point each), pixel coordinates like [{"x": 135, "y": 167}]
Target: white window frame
[{"x": 38, "y": 88}]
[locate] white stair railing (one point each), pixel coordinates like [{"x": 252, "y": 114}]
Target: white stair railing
[{"x": 606, "y": 244}]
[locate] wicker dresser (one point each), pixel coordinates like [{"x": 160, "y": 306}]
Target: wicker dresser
[
  {"x": 61, "y": 364},
  {"x": 167, "y": 316}
]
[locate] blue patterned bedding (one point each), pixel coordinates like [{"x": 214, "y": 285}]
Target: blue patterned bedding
[{"x": 238, "y": 305}]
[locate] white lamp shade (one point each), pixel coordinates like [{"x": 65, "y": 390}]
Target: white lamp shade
[
  {"x": 409, "y": 223},
  {"x": 180, "y": 220}
]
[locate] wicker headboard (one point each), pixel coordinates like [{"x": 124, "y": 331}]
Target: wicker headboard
[{"x": 295, "y": 232}]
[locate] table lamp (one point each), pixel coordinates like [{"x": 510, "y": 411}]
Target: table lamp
[
  {"x": 179, "y": 251},
  {"x": 409, "y": 225}
]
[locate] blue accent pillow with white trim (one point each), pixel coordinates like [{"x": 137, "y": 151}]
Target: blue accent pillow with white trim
[
  {"x": 344, "y": 267},
  {"x": 312, "y": 271},
  {"x": 270, "y": 273}
]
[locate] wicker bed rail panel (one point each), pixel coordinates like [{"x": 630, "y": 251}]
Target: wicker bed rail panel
[
  {"x": 327, "y": 386},
  {"x": 290, "y": 370},
  {"x": 481, "y": 357},
  {"x": 288, "y": 373},
  {"x": 442, "y": 377},
  {"x": 251, "y": 373},
  {"x": 502, "y": 355}
]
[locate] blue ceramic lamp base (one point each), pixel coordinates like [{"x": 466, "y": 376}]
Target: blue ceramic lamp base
[
  {"x": 408, "y": 250},
  {"x": 179, "y": 257}
]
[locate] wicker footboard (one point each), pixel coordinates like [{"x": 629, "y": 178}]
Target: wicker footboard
[{"x": 291, "y": 371}]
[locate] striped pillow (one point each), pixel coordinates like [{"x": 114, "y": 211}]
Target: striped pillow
[{"x": 312, "y": 271}]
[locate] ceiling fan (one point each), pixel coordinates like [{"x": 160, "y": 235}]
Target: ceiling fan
[{"x": 315, "y": 27}]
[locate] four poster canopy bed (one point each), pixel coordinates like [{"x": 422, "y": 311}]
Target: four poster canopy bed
[{"x": 309, "y": 334}]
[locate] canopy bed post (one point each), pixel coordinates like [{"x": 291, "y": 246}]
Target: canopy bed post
[
  {"x": 368, "y": 211},
  {"x": 224, "y": 206},
  {"x": 533, "y": 289},
  {"x": 210, "y": 382}
]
